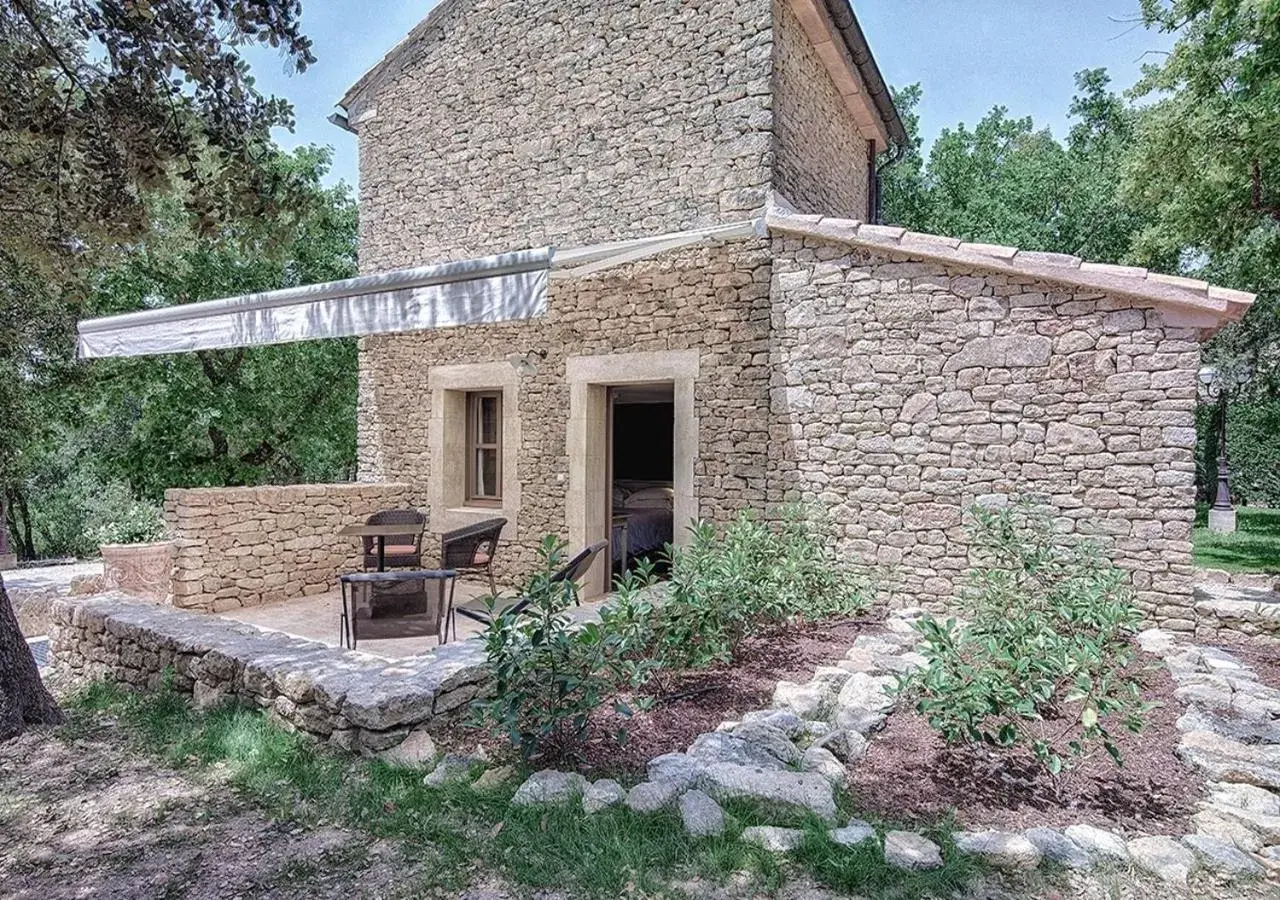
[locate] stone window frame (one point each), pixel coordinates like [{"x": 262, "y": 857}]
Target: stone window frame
[
  {"x": 447, "y": 439},
  {"x": 589, "y": 379}
]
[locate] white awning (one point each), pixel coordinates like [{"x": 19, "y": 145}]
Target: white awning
[
  {"x": 503, "y": 288},
  {"x": 468, "y": 292}
]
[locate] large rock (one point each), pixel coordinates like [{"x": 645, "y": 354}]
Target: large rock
[
  {"x": 701, "y": 815},
  {"x": 676, "y": 767},
  {"x": 773, "y": 740},
  {"x": 854, "y": 833},
  {"x": 908, "y": 850},
  {"x": 787, "y": 790},
  {"x": 1227, "y": 760},
  {"x": 782, "y": 719},
  {"x": 870, "y": 692},
  {"x": 550, "y": 786},
  {"x": 808, "y": 701},
  {"x": 1001, "y": 849},
  {"x": 1245, "y": 796},
  {"x": 1164, "y": 857},
  {"x": 717, "y": 747},
  {"x": 452, "y": 767},
  {"x": 823, "y": 762},
  {"x": 1057, "y": 847},
  {"x": 863, "y": 721},
  {"x": 418, "y": 749},
  {"x": 653, "y": 796},
  {"x": 602, "y": 794},
  {"x": 846, "y": 744},
  {"x": 1213, "y": 824},
  {"x": 776, "y": 840},
  {"x": 1268, "y": 827},
  {"x": 1099, "y": 843},
  {"x": 1223, "y": 857}
]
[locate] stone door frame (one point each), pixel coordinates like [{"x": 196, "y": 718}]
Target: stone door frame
[{"x": 587, "y": 442}]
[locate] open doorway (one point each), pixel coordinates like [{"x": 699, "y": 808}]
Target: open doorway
[{"x": 641, "y": 459}]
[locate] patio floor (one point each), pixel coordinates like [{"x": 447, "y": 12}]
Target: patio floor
[{"x": 315, "y": 618}]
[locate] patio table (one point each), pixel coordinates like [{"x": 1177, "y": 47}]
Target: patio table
[
  {"x": 382, "y": 532},
  {"x": 403, "y": 594}
]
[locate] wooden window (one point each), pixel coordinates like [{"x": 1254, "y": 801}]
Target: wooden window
[{"x": 484, "y": 448}]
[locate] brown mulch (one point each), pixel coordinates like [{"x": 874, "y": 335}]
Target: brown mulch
[
  {"x": 909, "y": 773},
  {"x": 695, "y": 702},
  {"x": 699, "y": 701}
]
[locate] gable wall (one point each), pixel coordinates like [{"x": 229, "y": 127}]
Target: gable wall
[
  {"x": 907, "y": 391},
  {"x": 515, "y": 124},
  {"x": 821, "y": 164}
]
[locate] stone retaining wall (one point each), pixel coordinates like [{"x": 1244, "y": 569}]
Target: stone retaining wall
[
  {"x": 353, "y": 700},
  {"x": 253, "y": 545}
]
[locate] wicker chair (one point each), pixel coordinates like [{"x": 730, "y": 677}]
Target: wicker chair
[
  {"x": 406, "y": 552},
  {"x": 472, "y": 548},
  {"x": 573, "y": 570}
]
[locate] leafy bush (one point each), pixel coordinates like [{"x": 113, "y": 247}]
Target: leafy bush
[
  {"x": 1046, "y": 663},
  {"x": 114, "y": 516},
  {"x": 551, "y": 673},
  {"x": 725, "y": 586}
]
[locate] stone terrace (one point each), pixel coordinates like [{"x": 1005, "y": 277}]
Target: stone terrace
[{"x": 351, "y": 699}]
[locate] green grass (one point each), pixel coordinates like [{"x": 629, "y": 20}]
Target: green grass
[
  {"x": 458, "y": 833},
  {"x": 1254, "y": 547}
]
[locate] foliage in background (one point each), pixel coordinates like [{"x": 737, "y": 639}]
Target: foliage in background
[
  {"x": 549, "y": 672},
  {"x": 1005, "y": 181},
  {"x": 1206, "y": 160},
  {"x": 225, "y": 417},
  {"x": 1045, "y": 663},
  {"x": 115, "y": 517},
  {"x": 106, "y": 106},
  {"x": 725, "y": 585}
]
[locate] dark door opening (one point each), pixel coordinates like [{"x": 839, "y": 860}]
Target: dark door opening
[{"x": 641, "y": 463}]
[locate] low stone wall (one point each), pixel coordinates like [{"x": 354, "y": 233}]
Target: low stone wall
[
  {"x": 253, "y": 545},
  {"x": 352, "y": 700}
]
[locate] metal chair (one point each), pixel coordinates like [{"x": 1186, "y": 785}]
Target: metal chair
[
  {"x": 399, "y": 555},
  {"x": 571, "y": 572},
  {"x": 392, "y": 594},
  {"x": 472, "y": 548}
]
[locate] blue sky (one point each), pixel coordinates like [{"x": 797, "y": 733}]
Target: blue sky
[{"x": 968, "y": 55}]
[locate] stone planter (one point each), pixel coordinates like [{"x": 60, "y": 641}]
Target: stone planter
[{"x": 144, "y": 570}]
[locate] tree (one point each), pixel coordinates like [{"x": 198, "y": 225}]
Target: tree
[
  {"x": 1005, "y": 181},
  {"x": 104, "y": 104},
  {"x": 283, "y": 413},
  {"x": 1206, "y": 161}
]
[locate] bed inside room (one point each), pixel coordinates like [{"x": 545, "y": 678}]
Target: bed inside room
[{"x": 642, "y": 464}]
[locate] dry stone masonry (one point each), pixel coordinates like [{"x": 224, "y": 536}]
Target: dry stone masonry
[
  {"x": 352, "y": 700},
  {"x": 908, "y": 391},
  {"x": 247, "y": 546}
]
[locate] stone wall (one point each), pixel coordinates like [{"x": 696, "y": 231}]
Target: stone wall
[
  {"x": 714, "y": 300},
  {"x": 821, "y": 156},
  {"x": 505, "y": 125},
  {"x": 253, "y": 545},
  {"x": 906, "y": 391},
  {"x": 353, "y": 700}
]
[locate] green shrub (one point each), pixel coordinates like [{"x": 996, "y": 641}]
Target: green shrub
[
  {"x": 551, "y": 673},
  {"x": 727, "y": 585},
  {"x": 1045, "y": 664},
  {"x": 114, "y": 516}
]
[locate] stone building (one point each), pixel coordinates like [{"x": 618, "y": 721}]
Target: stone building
[{"x": 753, "y": 339}]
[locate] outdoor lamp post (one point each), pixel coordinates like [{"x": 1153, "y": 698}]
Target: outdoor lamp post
[{"x": 1222, "y": 515}]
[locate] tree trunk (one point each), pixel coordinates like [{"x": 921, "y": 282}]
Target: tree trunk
[{"x": 24, "y": 700}]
